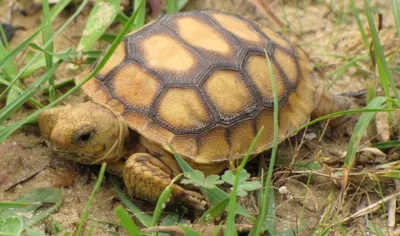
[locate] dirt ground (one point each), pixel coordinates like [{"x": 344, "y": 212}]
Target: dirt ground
[{"x": 27, "y": 163}]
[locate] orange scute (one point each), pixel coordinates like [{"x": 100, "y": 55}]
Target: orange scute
[
  {"x": 237, "y": 27},
  {"x": 164, "y": 52},
  {"x": 202, "y": 36},
  {"x": 183, "y": 108},
  {"x": 228, "y": 92},
  {"x": 135, "y": 86}
]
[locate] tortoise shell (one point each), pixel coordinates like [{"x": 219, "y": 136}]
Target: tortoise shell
[{"x": 200, "y": 81}]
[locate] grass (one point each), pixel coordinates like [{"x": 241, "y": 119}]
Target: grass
[
  {"x": 16, "y": 96},
  {"x": 46, "y": 37},
  {"x": 258, "y": 228},
  {"x": 91, "y": 199}
]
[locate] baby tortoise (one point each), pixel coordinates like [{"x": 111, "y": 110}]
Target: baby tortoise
[{"x": 198, "y": 81}]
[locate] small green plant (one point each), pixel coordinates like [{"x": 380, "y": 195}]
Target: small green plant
[
  {"x": 27, "y": 210},
  {"x": 198, "y": 179},
  {"x": 11, "y": 225},
  {"x": 244, "y": 186}
]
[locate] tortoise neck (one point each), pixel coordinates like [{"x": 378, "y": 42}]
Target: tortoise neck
[
  {"x": 132, "y": 143},
  {"x": 117, "y": 150}
]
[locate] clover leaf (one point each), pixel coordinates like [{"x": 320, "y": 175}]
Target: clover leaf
[
  {"x": 198, "y": 179},
  {"x": 243, "y": 185}
]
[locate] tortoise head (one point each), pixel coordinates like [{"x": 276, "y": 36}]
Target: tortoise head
[{"x": 88, "y": 133}]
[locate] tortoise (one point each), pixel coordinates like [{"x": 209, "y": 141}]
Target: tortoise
[{"x": 198, "y": 81}]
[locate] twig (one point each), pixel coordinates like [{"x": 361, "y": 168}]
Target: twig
[
  {"x": 204, "y": 230},
  {"x": 26, "y": 179},
  {"x": 264, "y": 8},
  {"x": 371, "y": 208}
]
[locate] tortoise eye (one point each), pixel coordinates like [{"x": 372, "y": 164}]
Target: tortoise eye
[{"x": 83, "y": 138}]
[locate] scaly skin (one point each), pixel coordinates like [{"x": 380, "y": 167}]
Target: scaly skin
[
  {"x": 90, "y": 133},
  {"x": 145, "y": 177}
]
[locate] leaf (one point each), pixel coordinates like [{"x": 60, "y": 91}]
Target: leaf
[
  {"x": 244, "y": 186},
  {"x": 32, "y": 232},
  {"x": 5, "y": 205},
  {"x": 10, "y": 108},
  {"x": 143, "y": 217},
  {"x": 100, "y": 18},
  {"x": 163, "y": 199},
  {"x": 198, "y": 179},
  {"x": 127, "y": 221},
  {"x": 11, "y": 225},
  {"x": 214, "y": 211},
  {"x": 169, "y": 220},
  {"x": 188, "y": 231},
  {"x": 215, "y": 195},
  {"x": 43, "y": 201}
]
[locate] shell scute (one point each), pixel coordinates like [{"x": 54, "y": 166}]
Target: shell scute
[
  {"x": 160, "y": 51},
  {"x": 230, "y": 95},
  {"x": 183, "y": 110},
  {"x": 146, "y": 86},
  {"x": 200, "y": 33}
]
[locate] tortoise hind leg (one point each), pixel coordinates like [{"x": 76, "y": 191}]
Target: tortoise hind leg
[
  {"x": 330, "y": 103},
  {"x": 145, "y": 177}
]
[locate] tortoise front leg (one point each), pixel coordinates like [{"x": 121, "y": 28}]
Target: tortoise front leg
[{"x": 146, "y": 177}]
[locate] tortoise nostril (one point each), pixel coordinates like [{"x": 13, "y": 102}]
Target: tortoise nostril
[{"x": 59, "y": 140}]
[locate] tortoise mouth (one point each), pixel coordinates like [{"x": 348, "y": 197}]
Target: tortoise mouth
[{"x": 82, "y": 158}]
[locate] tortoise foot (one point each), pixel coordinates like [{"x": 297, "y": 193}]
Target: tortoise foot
[{"x": 146, "y": 177}]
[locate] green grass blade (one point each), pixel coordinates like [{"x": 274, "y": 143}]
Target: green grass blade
[
  {"x": 140, "y": 9},
  {"x": 383, "y": 67},
  {"x": 230, "y": 221},
  {"x": 374, "y": 229},
  {"x": 143, "y": 217},
  {"x": 214, "y": 211},
  {"x": 348, "y": 112},
  {"x": 3, "y": 37},
  {"x": 5, "y": 205},
  {"x": 188, "y": 231},
  {"x": 396, "y": 13},
  {"x": 9, "y": 109},
  {"x": 257, "y": 229},
  {"x": 31, "y": 99},
  {"x": 338, "y": 73},
  {"x": 91, "y": 198},
  {"x": 11, "y": 55},
  {"x": 269, "y": 222},
  {"x": 57, "y": 9},
  {"x": 359, "y": 23},
  {"x": 32, "y": 232},
  {"x": 172, "y": 6},
  {"x": 10, "y": 70},
  {"x": 181, "y": 4},
  {"x": 162, "y": 200},
  {"x": 387, "y": 145},
  {"x": 359, "y": 131},
  {"x": 46, "y": 37},
  {"x": 127, "y": 222},
  {"x": 169, "y": 220}
]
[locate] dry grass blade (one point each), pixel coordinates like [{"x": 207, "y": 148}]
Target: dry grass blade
[
  {"x": 205, "y": 230},
  {"x": 266, "y": 10},
  {"x": 371, "y": 208}
]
